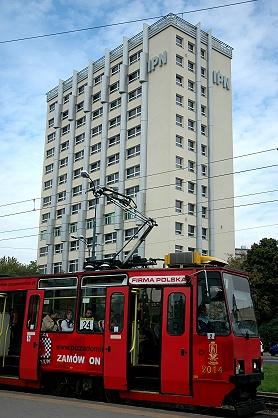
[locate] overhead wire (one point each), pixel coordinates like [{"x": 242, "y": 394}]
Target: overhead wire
[{"x": 47, "y": 35}]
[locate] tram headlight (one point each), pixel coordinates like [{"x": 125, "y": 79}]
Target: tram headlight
[
  {"x": 256, "y": 365},
  {"x": 239, "y": 366}
]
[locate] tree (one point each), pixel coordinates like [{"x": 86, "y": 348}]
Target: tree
[{"x": 10, "y": 266}]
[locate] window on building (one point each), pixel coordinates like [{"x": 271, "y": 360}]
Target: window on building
[
  {"x": 191, "y": 105},
  {"x": 204, "y": 191},
  {"x": 81, "y": 89},
  {"x": 114, "y": 87},
  {"x": 61, "y": 196},
  {"x": 204, "y": 169},
  {"x": 179, "y": 80},
  {"x": 131, "y": 232},
  {"x": 179, "y": 60},
  {"x": 45, "y": 217},
  {"x": 133, "y": 171},
  {"x": 74, "y": 245},
  {"x": 133, "y": 113},
  {"x": 97, "y": 113},
  {"x": 191, "y": 85},
  {"x": 204, "y": 233},
  {"x": 179, "y": 120},
  {"x": 80, "y": 122},
  {"x": 203, "y": 72},
  {"x": 179, "y": 162},
  {"x": 79, "y": 155},
  {"x": 116, "y": 69},
  {"x": 179, "y": 141},
  {"x": 178, "y": 228},
  {"x": 60, "y": 213},
  {"x": 95, "y": 148},
  {"x": 76, "y": 190},
  {"x": 57, "y": 231},
  {"x": 133, "y": 76},
  {"x": 58, "y": 248},
  {"x": 134, "y": 94},
  {"x": 50, "y": 152},
  {"x": 134, "y": 57},
  {"x": 63, "y": 162},
  {"x": 52, "y": 107},
  {"x": 51, "y": 137},
  {"x": 94, "y": 166},
  {"x": 179, "y": 100},
  {"x": 79, "y": 106},
  {"x": 114, "y": 122},
  {"x": 49, "y": 168},
  {"x": 134, "y": 132},
  {"x": 112, "y": 178},
  {"x": 47, "y": 184},
  {"x": 132, "y": 191},
  {"x": 191, "y": 209},
  {"x": 191, "y": 166},
  {"x": 46, "y": 201},
  {"x": 204, "y": 212},
  {"x": 51, "y": 123},
  {"x": 72, "y": 227},
  {"x": 133, "y": 151},
  {"x": 204, "y": 150},
  {"x": 113, "y": 159},
  {"x": 73, "y": 266},
  {"x": 64, "y": 146},
  {"x": 65, "y": 129},
  {"x": 62, "y": 179},
  {"x": 179, "y": 206},
  {"x": 191, "y": 187},
  {"x": 179, "y": 183},
  {"x": 179, "y": 41},
  {"x": 96, "y": 97},
  {"x": 203, "y": 91},
  {"x": 191, "y": 66},
  {"x": 77, "y": 172},
  {"x": 203, "y": 53},
  {"x": 109, "y": 218},
  {"x": 75, "y": 208},
  {"x": 43, "y": 251},
  {"x": 96, "y": 130},
  {"x": 65, "y": 114},
  {"x": 203, "y": 110},
  {"x": 178, "y": 248},
  {"x": 114, "y": 140},
  {"x": 190, "y": 47},
  {"x": 110, "y": 238},
  {"x": 115, "y": 104},
  {"x": 191, "y": 230},
  {"x": 191, "y": 125},
  {"x": 98, "y": 79},
  {"x": 66, "y": 98},
  {"x": 203, "y": 129},
  {"x": 191, "y": 145},
  {"x": 79, "y": 139}
]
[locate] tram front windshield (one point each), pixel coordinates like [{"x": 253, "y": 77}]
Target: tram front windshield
[{"x": 240, "y": 305}]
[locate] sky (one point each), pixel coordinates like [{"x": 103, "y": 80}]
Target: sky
[{"x": 28, "y": 69}]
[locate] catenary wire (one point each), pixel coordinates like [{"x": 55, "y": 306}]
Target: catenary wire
[{"x": 123, "y": 23}]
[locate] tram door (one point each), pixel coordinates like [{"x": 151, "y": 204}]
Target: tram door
[
  {"x": 31, "y": 335},
  {"x": 175, "y": 352},
  {"x": 115, "y": 338}
]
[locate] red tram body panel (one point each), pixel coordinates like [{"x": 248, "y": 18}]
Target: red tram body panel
[{"x": 174, "y": 335}]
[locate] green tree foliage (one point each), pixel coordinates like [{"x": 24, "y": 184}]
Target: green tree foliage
[
  {"x": 10, "y": 266},
  {"x": 261, "y": 262}
]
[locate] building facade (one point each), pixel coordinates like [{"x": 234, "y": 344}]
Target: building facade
[{"x": 152, "y": 118}]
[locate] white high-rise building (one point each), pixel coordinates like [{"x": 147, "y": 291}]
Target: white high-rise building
[{"x": 152, "y": 118}]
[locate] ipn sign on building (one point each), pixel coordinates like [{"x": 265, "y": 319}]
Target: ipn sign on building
[
  {"x": 159, "y": 60},
  {"x": 218, "y": 79}
]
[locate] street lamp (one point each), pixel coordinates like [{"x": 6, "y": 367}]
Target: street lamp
[{"x": 86, "y": 175}]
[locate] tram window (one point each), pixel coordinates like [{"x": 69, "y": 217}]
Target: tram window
[
  {"x": 57, "y": 303},
  {"x": 212, "y": 314},
  {"x": 116, "y": 312},
  {"x": 32, "y": 319},
  {"x": 92, "y": 313},
  {"x": 176, "y": 314}
]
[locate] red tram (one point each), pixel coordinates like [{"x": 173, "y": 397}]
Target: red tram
[{"x": 184, "y": 335}]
